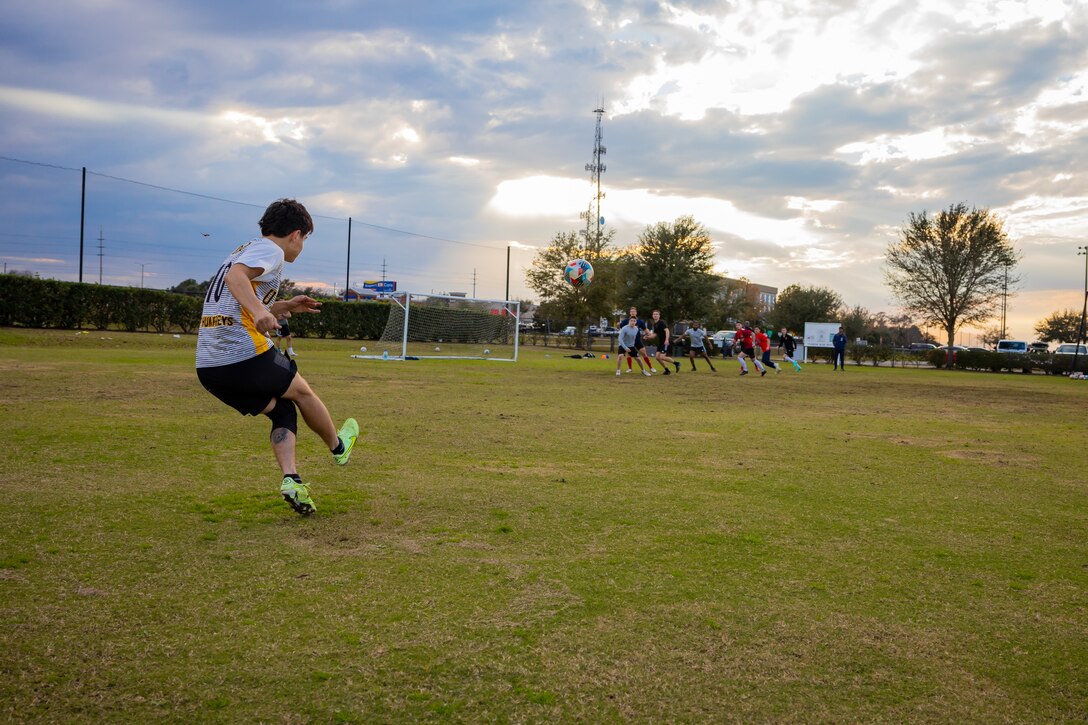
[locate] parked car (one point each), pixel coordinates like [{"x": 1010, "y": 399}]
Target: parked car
[
  {"x": 568, "y": 331},
  {"x": 923, "y": 346},
  {"x": 1070, "y": 348},
  {"x": 1039, "y": 347},
  {"x": 955, "y": 350},
  {"x": 1019, "y": 347},
  {"x": 724, "y": 338},
  {"x": 611, "y": 331},
  {"x": 593, "y": 330}
]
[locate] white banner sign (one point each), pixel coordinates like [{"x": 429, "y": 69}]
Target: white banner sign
[{"x": 819, "y": 334}]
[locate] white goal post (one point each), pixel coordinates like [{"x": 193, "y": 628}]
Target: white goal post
[{"x": 447, "y": 327}]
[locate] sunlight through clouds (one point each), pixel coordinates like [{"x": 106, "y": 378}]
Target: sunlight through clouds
[
  {"x": 931, "y": 144},
  {"x": 272, "y": 131},
  {"x": 563, "y": 198}
]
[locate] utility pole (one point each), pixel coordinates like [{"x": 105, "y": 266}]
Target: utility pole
[
  {"x": 347, "y": 273},
  {"x": 142, "y": 265},
  {"x": 1004, "y": 302},
  {"x": 1082, "y": 252},
  {"x": 593, "y": 217},
  {"x": 101, "y": 253},
  {"x": 82, "y": 213},
  {"x": 474, "y": 282},
  {"x": 507, "y": 298}
]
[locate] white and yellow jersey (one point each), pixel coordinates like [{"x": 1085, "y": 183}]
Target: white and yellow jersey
[{"x": 227, "y": 333}]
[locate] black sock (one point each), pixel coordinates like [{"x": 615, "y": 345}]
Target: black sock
[
  {"x": 339, "y": 447},
  {"x": 298, "y": 478}
]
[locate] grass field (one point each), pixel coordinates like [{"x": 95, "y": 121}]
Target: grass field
[{"x": 540, "y": 541}]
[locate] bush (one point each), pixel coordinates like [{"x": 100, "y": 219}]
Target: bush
[
  {"x": 29, "y": 302},
  {"x": 1063, "y": 364},
  {"x": 343, "y": 321}
]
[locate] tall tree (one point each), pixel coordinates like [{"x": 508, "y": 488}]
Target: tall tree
[
  {"x": 953, "y": 268},
  {"x": 1062, "y": 326},
  {"x": 558, "y": 299},
  {"x": 991, "y": 335},
  {"x": 672, "y": 270},
  {"x": 796, "y": 305},
  {"x": 857, "y": 322}
]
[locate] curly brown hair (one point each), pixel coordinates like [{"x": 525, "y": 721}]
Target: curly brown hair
[{"x": 284, "y": 216}]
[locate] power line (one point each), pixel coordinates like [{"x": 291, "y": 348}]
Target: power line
[{"x": 249, "y": 204}]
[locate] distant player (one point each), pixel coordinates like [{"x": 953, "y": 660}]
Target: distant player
[
  {"x": 697, "y": 339},
  {"x": 237, "y": 363},
  {"x": 764, "y": 344},
  {"x": 627, "y": 346},
  {"x": 283, "y": 338},
  {"x": 660, "y": 332},
  {"x": 747, "y": 342},
  {"x": 639, "y": 344},
  {"x": 786, "y": 341}
]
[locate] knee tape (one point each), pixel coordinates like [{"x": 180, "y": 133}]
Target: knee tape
[{"x": 284, "y": 415}]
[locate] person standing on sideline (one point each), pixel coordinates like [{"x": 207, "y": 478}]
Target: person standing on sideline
[
  {"x": 697, "y": 339},
  {"x": 764, "y": 344},
  {"x": 785, "y": 340},
  {"x": 839, "y": 343},
  {"x": 283, "y": 337},
  {"x": 660, "y": 332},
  {"x": 747, "y": 340},
  {"x": 237, "y": 363},
  {"x": 626, "y": 343}
]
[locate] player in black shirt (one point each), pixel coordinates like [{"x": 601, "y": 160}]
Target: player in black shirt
[
  {"x": 660, "y": 332},
  {"x": 785, "y": 340}
]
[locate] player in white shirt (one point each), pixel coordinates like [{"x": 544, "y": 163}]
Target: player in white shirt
[{"x": 237, "y": 362}]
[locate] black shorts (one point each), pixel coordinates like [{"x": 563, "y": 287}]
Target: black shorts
[
  {"x": 284, "y": 330},
  {"x": 697, "y": 350},
  {"x": 628, "y": 351},
  {"x": 249, "y": 386},
  {"x": 749, "y": 351}
]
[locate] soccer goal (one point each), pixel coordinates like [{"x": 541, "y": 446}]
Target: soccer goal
[{"x": 447, "y": 327}]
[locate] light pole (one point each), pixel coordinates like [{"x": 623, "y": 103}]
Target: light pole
[
  {"x": 1081, "y": 252},
  {"x": 142, "y": 265},
  {"x": 1004, "y": 301}
]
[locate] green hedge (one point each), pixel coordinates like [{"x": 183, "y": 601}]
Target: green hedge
[
  {"x": 30, "y": 302},
  {"x": 343, "y": 321},
  {"x": 998, "y": 361}
]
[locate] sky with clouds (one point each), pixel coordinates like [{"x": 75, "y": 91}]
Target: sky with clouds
[{"x": 801, "y": 134}]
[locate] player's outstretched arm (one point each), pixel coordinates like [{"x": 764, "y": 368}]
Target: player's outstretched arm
[{"x": 298, "y": 303}]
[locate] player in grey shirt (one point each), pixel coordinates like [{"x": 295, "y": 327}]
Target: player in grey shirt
[
  {"x": 627, "y": 346},
  {"x": 697, "y": 337}
]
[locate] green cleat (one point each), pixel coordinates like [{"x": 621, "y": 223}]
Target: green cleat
[
  {"x": 348, "y": 433},
  {"x": 297, "y": 496}
]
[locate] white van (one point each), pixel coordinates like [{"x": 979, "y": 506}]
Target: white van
[{"x": 1016, "y": 346}]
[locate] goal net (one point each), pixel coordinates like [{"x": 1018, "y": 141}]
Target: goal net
[{"x": 447, "y": 327}]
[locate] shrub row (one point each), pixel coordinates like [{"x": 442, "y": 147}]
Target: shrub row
[
  {"x": 998, "y": 361},
  {"x": 30, "y": 302}
]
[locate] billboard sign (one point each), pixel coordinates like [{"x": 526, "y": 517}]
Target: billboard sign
[
  {"x": 383, "y": 286},
  {"x": 819, "y": 334}
]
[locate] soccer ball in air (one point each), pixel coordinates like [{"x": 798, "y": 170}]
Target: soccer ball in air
[{"x": 579, "y": 272}]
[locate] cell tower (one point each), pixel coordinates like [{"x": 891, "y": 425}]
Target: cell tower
[{"x": 593, "y": 214}]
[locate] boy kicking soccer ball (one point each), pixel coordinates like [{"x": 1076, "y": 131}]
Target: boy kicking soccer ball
[{"x": 237, "y": 362}]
